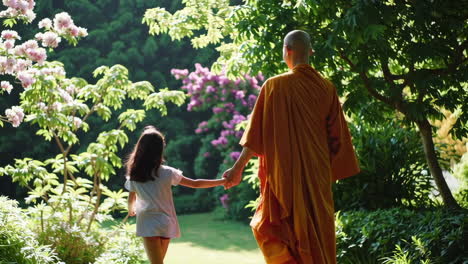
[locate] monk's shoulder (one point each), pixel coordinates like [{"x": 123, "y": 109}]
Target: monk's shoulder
[{"x": 279, "y": 81}]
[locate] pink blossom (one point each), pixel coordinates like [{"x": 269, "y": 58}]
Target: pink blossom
[
  {"x": 62, "y": 22},
  {"x": 240, "y": 94},
  {"x": 9, "y": 44},
  {"x": 234, "y": 155},
  {"x": 30, "y": 44},
  {"x": 217, "y": 110},
  {"x": 22, "y": 65},
  {"x": 224, "y": 201},
  {"x": 11, "y": 3},
  {"x": 198, "y": 130},
  {"x": 10, "y": 34},
  {"x": 26, "y": 79},
  {"x": 210, "y": 89},
  {"x": 74, "y": 31},
  {"x": 15, "y": 115},
  {"x": 50, "y": 39},
  {"x": 6, "y": 86},
  {"x": 39, "y": 55},
  {"x": 7, "y": 65},
  {"x": 45, "y": 23},
  {"x": 206, "y": 154}
]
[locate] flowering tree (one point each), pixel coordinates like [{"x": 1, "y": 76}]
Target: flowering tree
[
  {"x": 228, "y": 104},
  {"x": 230, "y": 101},
  {"x": 65, "y": 200}
]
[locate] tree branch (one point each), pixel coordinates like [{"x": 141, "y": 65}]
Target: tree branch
[{"x": 366, "y": 81}]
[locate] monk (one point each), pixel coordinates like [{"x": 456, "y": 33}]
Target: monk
[{"x": 298, "y": 131}]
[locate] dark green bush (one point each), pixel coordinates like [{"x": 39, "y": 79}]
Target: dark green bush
[
  {"x": 393, "y": 170},
  {"x": 18, "y": 243},
  {"x": 201, "y": 201},
  {"x": 369, "y": 237}
]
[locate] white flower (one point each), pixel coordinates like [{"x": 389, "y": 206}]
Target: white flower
[
  {"x": 77, "y": 122},
  {"x": 82, "y": 32},
  {"x": 65, "y": 96},
  {"x": 56, "y": 106},
  {"x": 71, "y": 89},
  {"x": 42, "y": 106},
  {"x": 45, "y": 23},
  {"x": 30, "y": 15},
  {"x": 6, "y": 86}
]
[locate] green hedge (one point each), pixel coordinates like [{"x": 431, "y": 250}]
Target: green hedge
[{"x": 385, "y": 236}]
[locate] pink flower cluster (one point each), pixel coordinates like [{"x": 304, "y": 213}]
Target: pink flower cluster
[
  {"x": 6, "y": 86},
  {"x": 229, "y": 100},
  {"x": 19, "y": 9},
  {"x": 26, "y": 62},
  {"x": 15, "y": 115},
  {"x": 224, "y": 199}
]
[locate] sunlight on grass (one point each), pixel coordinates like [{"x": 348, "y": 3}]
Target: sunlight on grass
[{"x": 208, "y": 238}]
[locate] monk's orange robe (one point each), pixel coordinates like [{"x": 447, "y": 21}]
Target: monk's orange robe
[{"x": 298, "y": 130}]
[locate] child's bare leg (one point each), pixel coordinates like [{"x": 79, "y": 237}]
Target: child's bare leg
[
  {"x": 153, "y": 249},
  {"x": 164, "y": 245}
]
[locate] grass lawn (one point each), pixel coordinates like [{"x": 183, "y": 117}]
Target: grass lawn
[{"x": 207, "y": 238}]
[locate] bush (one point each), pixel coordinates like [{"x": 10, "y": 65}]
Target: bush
[
  {"x": 72, "y": 244},
  {"x": 370, "y": 237},
  {"x": 123, "y": 247},
  {"x": 18, "y": 243},
  {"x": 393, "y": 170},
  {"x": 201, "y": 201}
]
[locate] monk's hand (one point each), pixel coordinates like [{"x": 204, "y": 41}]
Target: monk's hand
[{"x": 233, "y": 177}]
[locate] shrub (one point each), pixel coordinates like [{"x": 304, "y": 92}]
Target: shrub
[
  {"x": 393, "y": 170},
  {"x": 436, "y": 235},
  {"x": 123, "y": 247},
  {"x": 201, "y": 201},
  {"x": 18, "y": 243},
  {"x": 72, "y": 244}
]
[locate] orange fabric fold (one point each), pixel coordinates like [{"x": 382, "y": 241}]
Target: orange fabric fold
[{"x": 298, "y": 130}]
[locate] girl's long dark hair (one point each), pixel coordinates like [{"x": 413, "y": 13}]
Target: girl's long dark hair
[{"x": 147, "y": 155}]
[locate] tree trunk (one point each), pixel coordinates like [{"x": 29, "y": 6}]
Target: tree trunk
[{"x": 425, "y": 129}]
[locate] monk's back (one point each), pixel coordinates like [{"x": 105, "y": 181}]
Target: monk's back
[{"x": 307, "y": 98}]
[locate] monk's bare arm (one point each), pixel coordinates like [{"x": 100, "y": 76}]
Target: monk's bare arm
[
  {"x": 234, "y": 174},
  {"x": 244, "y": 158}
]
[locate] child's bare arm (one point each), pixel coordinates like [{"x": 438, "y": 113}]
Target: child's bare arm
[
  {"x": 131, "y": 204},
  {"x": 201, "y": 183}
]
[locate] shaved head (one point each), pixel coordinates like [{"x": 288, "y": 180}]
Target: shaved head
[{"x": 298, "y": 41}]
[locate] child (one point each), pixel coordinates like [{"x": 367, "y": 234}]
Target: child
[{"x": 149, "y": 183}]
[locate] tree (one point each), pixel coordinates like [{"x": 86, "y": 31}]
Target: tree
[
  {"x": 59, "y": 107},
  {"x": 393, "y": 57}
]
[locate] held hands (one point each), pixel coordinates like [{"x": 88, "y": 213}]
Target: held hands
[
  {"x": 131, "y": 212},
  {"x": 233, "y": 177}
]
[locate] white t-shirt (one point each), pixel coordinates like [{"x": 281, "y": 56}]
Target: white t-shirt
[{"x": 155, "y": 210}]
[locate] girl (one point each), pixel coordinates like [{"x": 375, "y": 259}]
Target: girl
[{"x": 149, "y": 183}]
